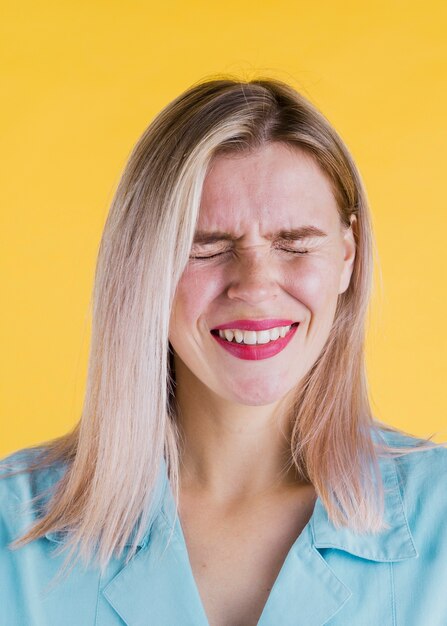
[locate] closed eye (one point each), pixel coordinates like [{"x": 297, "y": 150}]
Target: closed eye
[{"x": 213, "y": 256}]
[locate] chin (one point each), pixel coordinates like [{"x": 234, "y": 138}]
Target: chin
[{"x": 257, "y": 395}]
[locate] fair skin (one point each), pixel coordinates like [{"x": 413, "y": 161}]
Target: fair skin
[{"x": 231, "y": 411}]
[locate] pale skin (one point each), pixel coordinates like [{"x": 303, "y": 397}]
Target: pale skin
[{"x": 240, "y": 509}]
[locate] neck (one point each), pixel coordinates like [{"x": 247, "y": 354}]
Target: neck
[{"x": 230, "y": 451}]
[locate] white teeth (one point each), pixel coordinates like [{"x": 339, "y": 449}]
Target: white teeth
[
  {"x": 239, "y": 336},
  {"x": 253, "y": 337},
  {"x": 274, "y": 333},
  {"x": 228, "y": 335}
]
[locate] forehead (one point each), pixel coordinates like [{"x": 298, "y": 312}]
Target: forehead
[{"x": 274, "y": 186}]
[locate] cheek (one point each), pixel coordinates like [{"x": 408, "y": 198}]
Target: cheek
[
  {"x": 195, "y": 291},
  {"x": 314, "y": 283}
]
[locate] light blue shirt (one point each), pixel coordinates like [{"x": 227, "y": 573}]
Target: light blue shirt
[{"x": 330, "y": 576}]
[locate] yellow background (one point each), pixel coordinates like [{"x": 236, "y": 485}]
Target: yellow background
[{"x": 83, "y": 79}]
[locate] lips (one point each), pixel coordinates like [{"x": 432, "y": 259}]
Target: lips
[
  {"x": 256, "y": 352},
  {"x": 250, "y": 324}
]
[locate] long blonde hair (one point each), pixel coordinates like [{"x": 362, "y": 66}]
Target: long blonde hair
[{"x": 128, "y": 423}]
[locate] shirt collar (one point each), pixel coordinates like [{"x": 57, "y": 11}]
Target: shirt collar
[
  {"x": 394, "y": 543},
  {"x": 307, "y": 590}
]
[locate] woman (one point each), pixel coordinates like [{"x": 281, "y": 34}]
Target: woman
[{"x": 227, "y": 468}]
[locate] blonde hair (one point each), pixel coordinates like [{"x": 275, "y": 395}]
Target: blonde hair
[{"x": 128, "y": 420}]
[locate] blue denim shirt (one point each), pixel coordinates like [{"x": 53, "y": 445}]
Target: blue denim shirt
[{"x": 330, "y": 576}]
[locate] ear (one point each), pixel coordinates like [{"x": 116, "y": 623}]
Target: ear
[{"x": 349, "y": 255}]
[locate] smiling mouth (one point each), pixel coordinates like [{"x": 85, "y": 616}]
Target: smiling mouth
[{"x": 233, "y": 340}]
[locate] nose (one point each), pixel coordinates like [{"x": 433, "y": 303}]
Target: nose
[{"x": 254, "y": 279}]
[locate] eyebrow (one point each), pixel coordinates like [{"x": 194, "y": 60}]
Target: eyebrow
[{"x": 303, "y": 232}]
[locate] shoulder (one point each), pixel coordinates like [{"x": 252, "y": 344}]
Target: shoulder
[
  {"x": 28, "y": 572},
  {"x": 24, "y": 489},
  {"x": 412, "y": 458},
  {"x": 421, "y": 475},
  {"x": 18, "y": 473}
]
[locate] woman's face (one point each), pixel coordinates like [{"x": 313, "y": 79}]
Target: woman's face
[{"x": 270, "y": 252}]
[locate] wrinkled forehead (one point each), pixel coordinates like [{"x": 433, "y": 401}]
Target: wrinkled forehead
[{"x": 274, "y": 186}]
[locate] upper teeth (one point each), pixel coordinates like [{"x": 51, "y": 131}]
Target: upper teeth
[{"x": 253, "y": 337}]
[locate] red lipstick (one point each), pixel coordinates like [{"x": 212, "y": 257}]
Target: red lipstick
[
  {"x": 254, "y": 324},
  {"x": 258, "y": 351}
]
